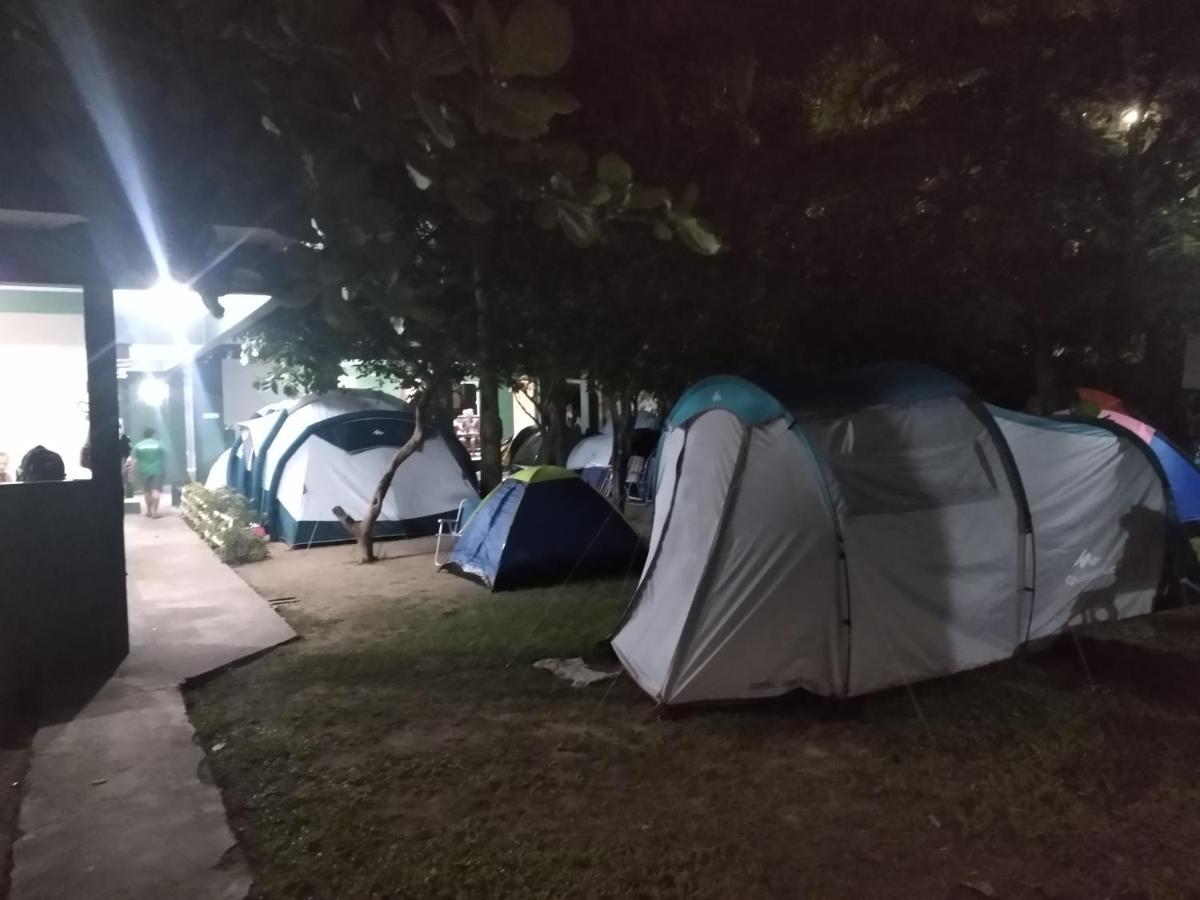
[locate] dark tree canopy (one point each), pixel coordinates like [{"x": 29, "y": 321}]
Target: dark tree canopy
[{"x": 1006, "y": 188}]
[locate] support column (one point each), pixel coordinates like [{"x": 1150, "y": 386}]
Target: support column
[
  {"x": 585, "y": 409},
  {"x": 101, "y": 618},
  {"x": 100, "y": 338},
  {"x": 189, "y": 418}
]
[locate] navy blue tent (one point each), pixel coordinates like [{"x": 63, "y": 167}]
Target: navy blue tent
[{"x": 544, "y": 524}]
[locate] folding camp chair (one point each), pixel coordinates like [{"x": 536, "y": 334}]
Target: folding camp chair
[
  {"x": 635, "y": 481},
  {"x": 453, "y": 527}
]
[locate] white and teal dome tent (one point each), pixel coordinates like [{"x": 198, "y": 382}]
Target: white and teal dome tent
[
  {"x": 296, "y": 463},
  {"x": 876, "y": 531}
]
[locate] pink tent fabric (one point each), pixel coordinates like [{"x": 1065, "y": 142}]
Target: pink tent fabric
[{"x": 1141, "y": 429}]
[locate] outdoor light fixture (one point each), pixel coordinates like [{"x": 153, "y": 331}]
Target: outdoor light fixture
[
  {"x": 1130, "y": 117},
  {"x": 168, "y": 285},
  {"x": 153, "y": 391}
]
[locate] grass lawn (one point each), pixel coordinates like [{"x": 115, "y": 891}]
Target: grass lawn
[{"x": 406, "y": 748}]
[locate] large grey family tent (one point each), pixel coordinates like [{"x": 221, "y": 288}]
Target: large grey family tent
[
  {"x": 875, "y": 531},
  {"x": 297, "y": 462}
]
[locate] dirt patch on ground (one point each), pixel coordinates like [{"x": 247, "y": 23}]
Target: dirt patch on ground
[
  {"x": 17, "y": 725},
  {"x": 324, "y": 587},
  {"x": 407, "y": 748}
]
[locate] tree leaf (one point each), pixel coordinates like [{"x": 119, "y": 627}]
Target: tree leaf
[
  {"x": 328, "y": 272},
  {"x": 578, "y": 224},
  {"x": 545, "y": 213},
  {"x": 697, "y": 236},
  {"x": 442, "y": 56},
  {"x": 537, "y": 40},
  {"x": 568, "y": 159},
  {"x": 336, "y": 311},
  {"x": 662, "y": 231},
  {"x": 246, "y": 280},
  {"x": 687, "y": 202},
  {"x": 409, "y": 35},
  {"x": 422, "y": 181},
  {"x": 455, "y": 17},
  {"x": 379, "y": 149},
  {"x": 613, "y": 170},
  {"x": 644, "y": 198},
  {"x": 299, "y": 295},
  {"x": 599, "y": 194},
  {"x": 487, "y": 34},
  {"x": 435, "y": 117},
  {"x": 521, "y": 111},
  {"x": 470, "y": 206}
]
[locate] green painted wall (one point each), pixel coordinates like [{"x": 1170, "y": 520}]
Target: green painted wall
[
  {"x": 504, "y": 400},
  {"x": 65, "y": 302},
  {"x": 211, "y": 436}
]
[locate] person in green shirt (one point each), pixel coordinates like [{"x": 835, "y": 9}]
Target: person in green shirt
[{"x": 149, "y": 459}]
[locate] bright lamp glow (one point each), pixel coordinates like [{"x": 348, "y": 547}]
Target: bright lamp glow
[
  {"x": 153, "y": 391},
  {"x": 176, "y": 302},
  {"x": 1130, "y": 117}
]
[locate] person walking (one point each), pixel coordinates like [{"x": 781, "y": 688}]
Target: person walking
[{"x": 149, "y": 459}]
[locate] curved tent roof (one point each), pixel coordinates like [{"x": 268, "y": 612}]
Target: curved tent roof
[
  {"x": 1101, "y": 514},
  {"x": 871, "y": 529},
  {"x": 287, "y": 427},
  {"x": 595, "y": 450},
  {"x": 1181, "y": 473},
  {"x": 543, "y": 524},
  {"x": 218, "y": 474},
  {"x": 296, "y": 461},
  {"x": 885, "y": 383}
]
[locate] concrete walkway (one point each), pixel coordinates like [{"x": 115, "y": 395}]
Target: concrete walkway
[{"x": 118, "y": 805}]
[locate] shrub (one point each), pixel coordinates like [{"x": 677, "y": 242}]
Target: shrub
[{"x": 224, "y": 520}]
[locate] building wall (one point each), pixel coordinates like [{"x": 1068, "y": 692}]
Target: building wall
[
  {"x": 43, "y": 386},
  {"x": 212, "y": 437},
  {"x": 62, "y": 559},
  {"x": 62, "y": 582},
  {"x": 240, "y": 399}
]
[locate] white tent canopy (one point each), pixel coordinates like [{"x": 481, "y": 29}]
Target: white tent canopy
[
  {"x": 592, "y": 452},
  {"x": 874, "y": 535},
  {"x": 331, "y": 449},
  {"x": 1099, "y": 508},
  {"x": 218, "y": 475}
]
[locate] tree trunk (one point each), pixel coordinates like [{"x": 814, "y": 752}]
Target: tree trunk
[
  {"x": 363, "y": 532},
  {"x": 490, "y": 427},
  {"x": 554, "y": 421},
  {"x": 490, "y": 431},
  {"x": 619, "y": 416},
  {"x": 1045, "y": 377}
]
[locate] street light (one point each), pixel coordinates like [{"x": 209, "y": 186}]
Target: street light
[{"x": 153, "y": 391}]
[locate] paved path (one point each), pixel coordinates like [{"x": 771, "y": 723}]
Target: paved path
[{"x": 116, "y": 805}]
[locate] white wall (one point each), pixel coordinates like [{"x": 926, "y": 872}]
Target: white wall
[
  {"x": 240, "y": 399},
  {"x": 43, "y": 387},
  {"x": 524, "y": 408}
]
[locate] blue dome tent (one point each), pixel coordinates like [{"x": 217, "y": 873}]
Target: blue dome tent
[{"x": 540, "y": 525}]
